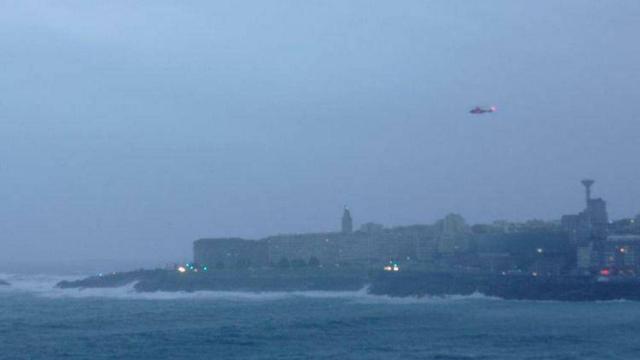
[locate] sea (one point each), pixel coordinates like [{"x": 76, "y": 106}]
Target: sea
[{"x": 38, "y": 321}]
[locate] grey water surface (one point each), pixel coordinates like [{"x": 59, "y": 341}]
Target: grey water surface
[{"x": 38, "y": 322}]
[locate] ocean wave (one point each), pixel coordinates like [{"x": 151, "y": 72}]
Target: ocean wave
[
  {"x": 428, "y": 299},
  {"x": 44, "y": 286},
  {"x": 40, "y": 283}
]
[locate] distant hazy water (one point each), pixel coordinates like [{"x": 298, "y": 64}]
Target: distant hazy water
[{"x": 38, "y": 322}]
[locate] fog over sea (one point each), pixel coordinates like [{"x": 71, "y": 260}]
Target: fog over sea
[
  {"x": 38, "y": 321},
  {"x": 130, "y": 129}
]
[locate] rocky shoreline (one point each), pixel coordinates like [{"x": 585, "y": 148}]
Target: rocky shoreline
[
  {"x": 229, "y": 280},
  {"x": 388, "y": 283}
]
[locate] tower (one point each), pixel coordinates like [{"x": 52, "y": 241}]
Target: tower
[
  {"x": 587, "y": 187},
  {"x": 347, "y": 222}
]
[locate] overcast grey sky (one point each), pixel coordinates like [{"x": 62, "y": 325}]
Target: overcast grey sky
[{"x": 130, "y": 128}]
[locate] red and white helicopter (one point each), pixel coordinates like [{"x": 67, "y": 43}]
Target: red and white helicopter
[{"x": 483, "y": 110}]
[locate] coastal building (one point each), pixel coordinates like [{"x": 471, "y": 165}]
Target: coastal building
[
  {"x": 338, "y": 249},
  {"x": 372, "y": 247},
  {"x": 625, "y": 226},
  {"x": 230, "y": 253},
  {"x": 371, "y": 228},
  {"x": 453, "y": 234},
  {"x": 302, "y": 247},
  {"x": 585, "y": 242},
  {"x": 584, "y": 257},
  {"x": 347, "y": 221},
  {"x": 588, "y": 230},
  {"x": 494, "y": 262},
  {"x": 622, "y": 253},
  {"x": 549, "y": 264}
]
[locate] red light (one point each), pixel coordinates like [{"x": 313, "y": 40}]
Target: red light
[{"x": 604, "y": 272}]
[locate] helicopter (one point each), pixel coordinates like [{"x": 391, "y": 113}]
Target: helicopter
[{"x": 482, "y": 110}]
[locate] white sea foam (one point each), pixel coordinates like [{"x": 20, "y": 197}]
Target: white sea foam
[
  {"x": 32, "y": 283},
  {"x": 44, "y": 285},
  {"x": 367, "y": 298}
]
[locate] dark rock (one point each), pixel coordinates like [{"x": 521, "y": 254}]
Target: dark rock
[
  {"x": 398, "y": 284},
  {"x": 227, "y": 280}
]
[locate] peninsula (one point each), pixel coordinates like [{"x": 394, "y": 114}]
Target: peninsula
[{"x": 578, "y": 257}]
